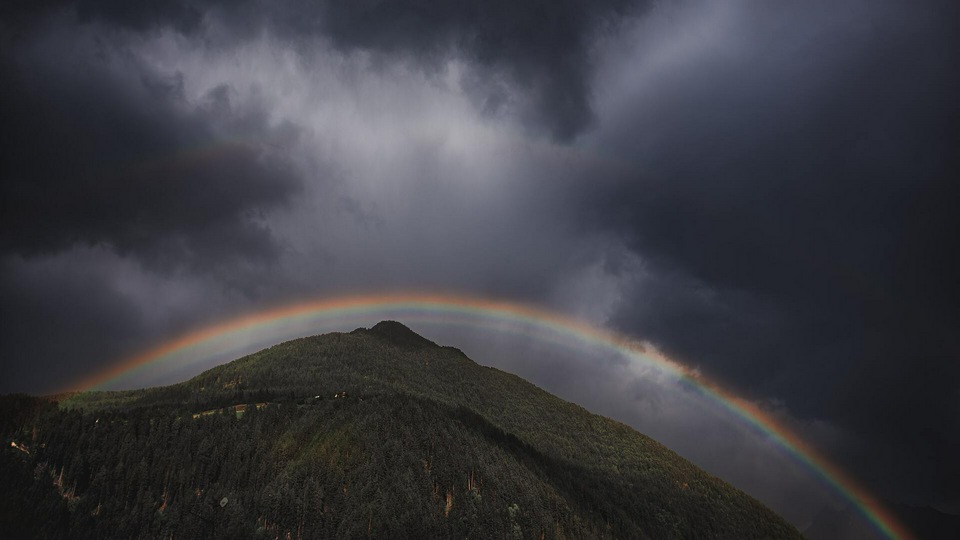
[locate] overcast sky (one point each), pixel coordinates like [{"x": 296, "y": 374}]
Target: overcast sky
[{"x": 765, "y": 191}]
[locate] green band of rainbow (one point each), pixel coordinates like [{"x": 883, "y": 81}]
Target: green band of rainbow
[{"x": 508, "y": 316}]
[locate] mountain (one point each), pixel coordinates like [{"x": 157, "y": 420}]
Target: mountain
[{"x": 374, "y": 433}]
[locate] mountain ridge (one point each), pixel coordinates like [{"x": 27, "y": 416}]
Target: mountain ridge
[{"x": 434, "y": 443}]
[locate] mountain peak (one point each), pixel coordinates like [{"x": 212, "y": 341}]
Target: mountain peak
[
  {"x": 349, "y": 418},
  {"x": 399, "y": 334}
]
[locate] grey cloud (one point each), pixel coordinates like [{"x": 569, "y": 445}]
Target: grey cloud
[
  {"x": 540, "y": 50},
  {"x": 183, "y": 15},
  {"x": 100, "y": 149},
  {"x": 544, "y": 48},
  {"x": 791, "y": 186},
  {"x": 56, "y": 322}
]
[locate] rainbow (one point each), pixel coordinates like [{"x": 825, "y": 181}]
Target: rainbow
[{"x": 305, "y": 318}]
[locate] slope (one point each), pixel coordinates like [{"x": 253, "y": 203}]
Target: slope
[{"x": 375, "y": 432}]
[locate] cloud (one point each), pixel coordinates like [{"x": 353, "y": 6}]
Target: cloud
[
  {"x": 530, "y": 58},
  {"x": 100, "y": 149},
  {"x": 785, "y": 175},
  {"x": 55, "y": 316},
  {"x": 385, "y": 177},
  {"x": 148, "y": 15},
  {"x": 544, "y": 50}
]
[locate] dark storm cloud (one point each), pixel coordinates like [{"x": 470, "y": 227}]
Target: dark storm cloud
[
  {"x": 535, "y": 49},
  {"x": 150, "y": 14},
  {"x": 54, "y": 323},
  {"x": 541, "y": 50},
  {"x": 543, "y": 47},
  {"x": 794, "y": 199},
  {"x": 99, "y": 149}
]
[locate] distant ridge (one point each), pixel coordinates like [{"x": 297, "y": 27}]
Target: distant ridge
[{"x": 923, "y": 521}]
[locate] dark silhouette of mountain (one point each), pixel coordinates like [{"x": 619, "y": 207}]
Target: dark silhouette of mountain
[
  {"x": 373, "y": 433},
  {"x": 923, "y": 522},
  {"x": 928, "y": 523},
  {"x": 838, "y": 524}
]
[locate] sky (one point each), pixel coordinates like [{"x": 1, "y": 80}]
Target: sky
[{"x": 764, "y": 191}]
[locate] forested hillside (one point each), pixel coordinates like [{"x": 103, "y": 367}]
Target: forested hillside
[{"x": 374, "y": 433}]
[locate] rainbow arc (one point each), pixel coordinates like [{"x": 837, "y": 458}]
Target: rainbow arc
[{"x": 305, "y": 318}]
